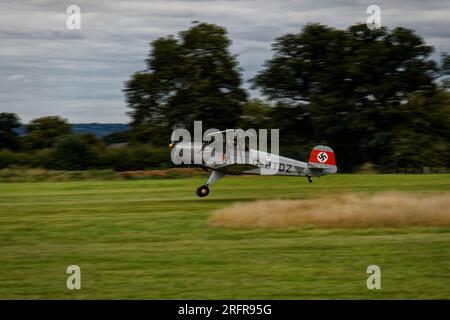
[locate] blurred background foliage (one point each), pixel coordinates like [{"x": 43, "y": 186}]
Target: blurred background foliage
[{"x": 375, "y": 96}]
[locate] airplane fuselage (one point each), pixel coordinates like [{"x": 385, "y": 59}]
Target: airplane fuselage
[{"x": 252, "y": 162}]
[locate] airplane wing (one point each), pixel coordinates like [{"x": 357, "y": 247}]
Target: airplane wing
[{"x": 237, "y": 168}]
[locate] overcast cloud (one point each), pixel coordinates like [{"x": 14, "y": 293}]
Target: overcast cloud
[{"x": 46, "y": 69}]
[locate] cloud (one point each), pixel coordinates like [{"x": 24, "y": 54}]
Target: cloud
[{"x": 79, "y": 74}]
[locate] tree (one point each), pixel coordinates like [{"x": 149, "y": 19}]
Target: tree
[
  {"x": 117, "y": 137},
  {"x": 8, "y": 137},
  {"x": 43, "y": 132},
  {"x": 445, "y": 64},
  {"x": 255, "y": 114},
  {"x": 71, "y": 152},
  {"x": 422, "y": 135},
  {"x": 445, "y": 70},
  {"x": 347, "y": 87},
  {"x": 192, "y": 77}
]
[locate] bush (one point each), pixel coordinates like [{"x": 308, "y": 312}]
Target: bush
[
  {"x": 10, "y": 158},
  {"x": 71, "y": 152},
  {"x": 117, "y": 137},
  {"x": 138, "y": 157},
  {"x": 41, "y": 158},
  {"x": 7, "y": 158}
]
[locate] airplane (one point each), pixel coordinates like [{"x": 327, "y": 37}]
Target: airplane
[{"x": 321, "y": 162}]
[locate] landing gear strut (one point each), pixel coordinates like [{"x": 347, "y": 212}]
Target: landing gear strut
[{"x": 309, "y": 179}]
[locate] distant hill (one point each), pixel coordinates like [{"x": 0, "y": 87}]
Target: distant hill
[{"x": 99, "y": 129}]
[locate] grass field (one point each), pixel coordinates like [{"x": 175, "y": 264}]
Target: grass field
[{"x": 150, "y": 239}]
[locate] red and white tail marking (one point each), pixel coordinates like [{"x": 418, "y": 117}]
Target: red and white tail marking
[{"x": 322, "y": 155}]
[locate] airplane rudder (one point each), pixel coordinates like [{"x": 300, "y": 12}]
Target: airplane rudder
[{"x": 322, "y": 155}]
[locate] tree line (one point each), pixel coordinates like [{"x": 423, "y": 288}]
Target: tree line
[
  {"x": 375, "y": 96},
  {"x": 50, "y": 143}
]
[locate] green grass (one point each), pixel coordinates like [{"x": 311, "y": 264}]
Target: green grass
[{"x": 149, "y": 239}]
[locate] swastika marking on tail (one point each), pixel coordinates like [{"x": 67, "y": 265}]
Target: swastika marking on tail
[{"x": 322, "y": 157}]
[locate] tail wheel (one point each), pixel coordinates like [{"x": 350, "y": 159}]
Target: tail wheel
[{"x": 202, "y": 191}]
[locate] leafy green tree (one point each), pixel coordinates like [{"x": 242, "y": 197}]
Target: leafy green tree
[
  {"x": 191, "y": 77},
  {"x": 43, "y": 132},
  {"x": 422, "y": 135},
  {"x": 445, "y": 70},
  {"x": 7, "y": 158},
  {"x": 137, "y": 157},
  {"x": 255, "y": 114},
  {"x": 346, "y": 88},
  {"x": 117, "y": 137},
  {"x": 8, "y": 138},
  {"x": 71, "y": 152},
  {"x": 445, "y": 64}
]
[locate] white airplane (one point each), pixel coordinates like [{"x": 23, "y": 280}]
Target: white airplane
[{"x": 321, "y": 162}]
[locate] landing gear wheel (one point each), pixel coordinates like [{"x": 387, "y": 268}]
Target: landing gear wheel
[
  {"x": 202, "y": 191},
  {"x": 309, "y": 180}
]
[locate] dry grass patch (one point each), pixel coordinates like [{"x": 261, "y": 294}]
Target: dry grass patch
[{"x": 388, "y": 209}]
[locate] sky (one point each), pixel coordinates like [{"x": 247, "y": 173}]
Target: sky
[{"x": 48, "y": 69}]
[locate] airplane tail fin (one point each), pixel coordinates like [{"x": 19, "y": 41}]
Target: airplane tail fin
[{"x": 323, "y": 157}]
